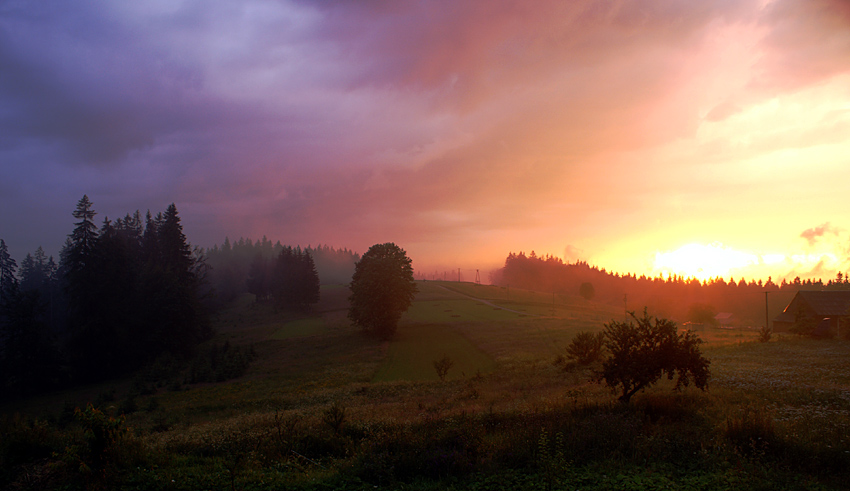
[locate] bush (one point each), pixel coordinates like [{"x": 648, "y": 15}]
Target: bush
[
  {"x": 587, "y": 291},
  {"x": 106, "y": 448},
  {"x": 765, "y": 334},
  {"x": 334, "y": 417},
  {"x": 442, "y": 366},
  {"x": 586, "y": 347},
  {"x": 24, "y": 441},
  {"x": 700, "y": 313},
  {"x": 220, "y": 362}
]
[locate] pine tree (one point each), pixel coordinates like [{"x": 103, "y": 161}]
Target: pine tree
[
  {"x": 259, "y": 278},
  {"x": 170, "y": 282},
  {"x": 8, "y": 280},
  {"x": 295, "y": 282},
  {"x": 84, "y": 236}
]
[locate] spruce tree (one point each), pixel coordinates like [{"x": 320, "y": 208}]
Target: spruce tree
[{"x": 8, "y": 280}]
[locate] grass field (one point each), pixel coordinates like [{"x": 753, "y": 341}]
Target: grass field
[
  {"x": 411, "y": 354},
  {"x": 325, "y": 407}
]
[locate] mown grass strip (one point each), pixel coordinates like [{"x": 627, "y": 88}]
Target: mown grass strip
[
  {"x": 411, "y": 354},
  {"x": 300, "y": 328}
]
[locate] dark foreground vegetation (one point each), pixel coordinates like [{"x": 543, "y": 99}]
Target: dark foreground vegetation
[{"x": 308, "y": 415}]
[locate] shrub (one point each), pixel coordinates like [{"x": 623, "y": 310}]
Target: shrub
[
  {"x": 107, "y": 447},
  {"x": 442, "y": 366},
  {"x": 221, "y": 362},
  {"x": 334, "y": 417},
  {"x": 586, "y": 347},
  {"x": 587, "y": 291},
  {"x": 24, "y": 441}
]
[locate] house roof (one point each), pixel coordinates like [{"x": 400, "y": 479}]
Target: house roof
[
  {"x": 830, "y": 303},
  {"x": 723, "y": 316}
]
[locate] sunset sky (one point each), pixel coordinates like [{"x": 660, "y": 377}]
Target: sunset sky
[{"x": 689, "y": 137}]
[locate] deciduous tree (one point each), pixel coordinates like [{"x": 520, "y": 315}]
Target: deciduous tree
[
  {"x": 641, "y": 352},
  {"x": 382, "y": 289}
]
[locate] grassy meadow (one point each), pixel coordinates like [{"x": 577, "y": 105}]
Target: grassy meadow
[{"x": 322, "y": 406}]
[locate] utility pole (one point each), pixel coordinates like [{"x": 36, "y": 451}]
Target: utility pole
[
  {"x": 458, "y": 275},
  {"x": 626, "y": 306},
  {"x": 766, "y": 316}
]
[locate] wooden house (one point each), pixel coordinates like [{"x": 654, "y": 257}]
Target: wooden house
[
  {"x": 826, "y": 311},
  {"x": 724, "y": 319}
]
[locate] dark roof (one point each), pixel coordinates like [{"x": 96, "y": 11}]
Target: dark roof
[{"x": 825, "y": 303}]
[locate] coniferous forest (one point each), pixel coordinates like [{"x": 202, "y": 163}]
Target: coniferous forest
[
  {"x": 122, "y": 294},
  {"x": 131, "y": 291},
  {"x": 673, "y": 296}
]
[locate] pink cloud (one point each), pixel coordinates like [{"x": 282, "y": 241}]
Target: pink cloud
[{"x": 813, "y": 235}]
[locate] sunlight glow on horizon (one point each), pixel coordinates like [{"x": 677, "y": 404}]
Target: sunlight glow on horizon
[
  {"x": 702, "y": 262},
  {"x": 716, "y": 260}
]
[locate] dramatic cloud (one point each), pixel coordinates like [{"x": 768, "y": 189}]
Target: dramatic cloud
[{"x": 460, "y": 130}]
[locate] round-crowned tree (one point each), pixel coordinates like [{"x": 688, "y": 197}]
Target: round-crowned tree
[
  {"x": 642, "y": 352},
  {"x": 382, "y": 289}
]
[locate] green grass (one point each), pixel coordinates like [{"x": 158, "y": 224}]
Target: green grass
[
  {"x": 456, "y": 310},
  {"x": 310, "y": 326},
  {"x": 413, "y": 350},
  {"x": 776, "y": 415}
]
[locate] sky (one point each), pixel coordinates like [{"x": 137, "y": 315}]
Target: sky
[{"x": 653, "y": 137}]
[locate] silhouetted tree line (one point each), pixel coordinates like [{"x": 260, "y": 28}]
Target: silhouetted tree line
[
  {"x": 122, "y": 294},
  {"x": 672, "y": 296},
  {"x": 290, "y": 280},
  {"x": 247, "y": 266}
]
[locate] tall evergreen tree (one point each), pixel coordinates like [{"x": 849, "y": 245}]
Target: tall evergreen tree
[
  {"x": 8, "y": 280},
  {"x": 84, "y": 236},
  {"x": 175, "y": 251},
  {"x": 259, "y": 277},
  {"x": 295, "y": 282},
  {"x": 29, "y": 359},
  {"x": 170, "y": 282},
  {"x": 88, "y": 337}
]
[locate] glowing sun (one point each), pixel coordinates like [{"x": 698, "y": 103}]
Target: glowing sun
[{"x": 702, "y": 261}]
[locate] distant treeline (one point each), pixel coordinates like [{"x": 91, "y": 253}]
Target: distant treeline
[
  {"x": 670, "y": 297},
  {"x": 247, "y": 266},
  {"x": 121, "y": 295}
]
